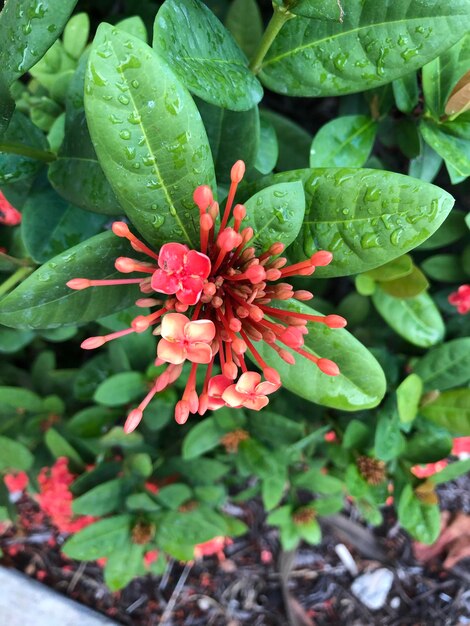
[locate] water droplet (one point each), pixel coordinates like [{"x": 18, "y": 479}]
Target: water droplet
[
  {"x": 370, "y": 240},
  {"x": 130, "y": 62},
  {"x": 158, "y": 220},
  {"x": 125, "y": 134},
  {"x": 134, "y": 118},
  {"x": 134, "y": 83},
  {"x": 395, "y": 236},
  {"x": 123, "y": 99},
  {"x": 99, "y": 80}
]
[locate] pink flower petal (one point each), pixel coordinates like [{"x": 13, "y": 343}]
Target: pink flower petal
[
  {"x": 200, "y": 330},
  {"x": 232, "y": 397},
  {"x": 171, "y": 352},
  {"x": 199, "y": 353},
  {"x": 217, "y": 385},
  {"x": 213, "y": 404},
  {"x": 173, "y": 325},
  {"x": 172, "y": 257},
  {"x": 248, "y": 381},
  {"x": 186, "y": 296},
  {"x": 198, "y": 264},
  {"x": 265, "y": 388},
  {"x": 164, "y": 283}
]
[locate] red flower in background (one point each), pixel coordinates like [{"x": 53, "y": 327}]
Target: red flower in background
[
  {"x": 461, "y": 299},
  {"x": 16, "y": 482},
  {"x": 8, "y": 214},
  {"x": 231, "y": 288}
]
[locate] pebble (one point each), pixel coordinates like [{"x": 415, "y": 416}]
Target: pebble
[{"x": 372, "y": 588}]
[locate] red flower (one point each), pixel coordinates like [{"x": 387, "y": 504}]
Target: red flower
[
  {"x": 424, "y": 471},
  {"x": 461, "y": 446},
  {"x": 232, "y": 288},
  {"x": 212, "y": 547},
  {"x": 16, "y": 482},
  {"x": 8, "y": 214},
  {"x": 150, "y": 557},
  {"x": 461, "y": 299}
]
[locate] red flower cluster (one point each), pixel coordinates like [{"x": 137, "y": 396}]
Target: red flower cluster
[
  {"x": 231, "y": 286},
  {"x": 17, "y": 482},
  {"x": 461, "y": 299},
  {"x": 8, "y": 214},
  {"x": 213, "y": 547},
  {"x": 55, "y": 497}
]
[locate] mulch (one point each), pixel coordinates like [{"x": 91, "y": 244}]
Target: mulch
[{"x": 257, "y": 584}]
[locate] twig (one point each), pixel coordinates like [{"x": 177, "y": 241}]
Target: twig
[
  {"x": 176, "y": 592},
  {"x": 76, "y": 577}
]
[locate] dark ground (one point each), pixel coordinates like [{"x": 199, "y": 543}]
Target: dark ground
[{"x": 259, "y": 586}]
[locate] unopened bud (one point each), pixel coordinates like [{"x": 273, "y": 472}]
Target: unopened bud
[
  {"x": 203, "y": 197},
  {"x": 272, "y": 375},
  {"x": 93, "y": 342},
  {"x": 133, "y": 420},
  {"x": 321, "y": 258},
  {"x": 78, "y": 283},
  {"x": 237, "y": 172},
  {"x": 335, "y": 321},
  {"x": 120, "y": 229},
  {"x": 328, "y": 367}
]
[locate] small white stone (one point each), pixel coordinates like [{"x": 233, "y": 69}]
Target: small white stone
[
  {"x": 372, "y": 588},
  {"x": 395, "y": 602},
  {"x": 346, "y": 558}
]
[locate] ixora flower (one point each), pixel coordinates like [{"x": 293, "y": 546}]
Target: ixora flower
[
  {"x": 8, "y": 214},
  {"x": 218, "y": 305},
  {"x": 461, "y": 299}
]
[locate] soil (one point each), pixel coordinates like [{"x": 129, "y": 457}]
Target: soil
[{"x": 258, "y": 584}]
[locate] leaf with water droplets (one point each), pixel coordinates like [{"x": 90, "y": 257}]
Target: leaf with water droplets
[
  {"x": 364, "y": 217},
  {"x": 16, "y": 167},
  {"x": 318, "y": 9},
  {"x": 27, "y": 30},
  {"x": 204, "y": 55},
  {"x": 276, "y": 214},
  {"x": 43, "y": 300},
  {"x": 148, "y": 135},
  {"x": 343, "y": 142},
  {"x": 376, "y": 42},
  {"x": 361, "y": 383}
]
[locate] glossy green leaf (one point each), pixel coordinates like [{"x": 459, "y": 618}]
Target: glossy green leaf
[
  {"x": 422, "y": 521},
  {"x": 20, "y": 401},
  {"x": 43, "y": 300},
  {"x": 7, "y": 106},
  {"x": 426, "y": 165},
  {"x": 317, "y": 9},
  {"x": 51, "y": 226},
  {"x": 445, "y": 268},
  {"x": 409, "y": 393},
  {"x": 59, "y": 446},
  {"x": 16, "y": 167},
  {"x": 445, "y": 366},
  {"x": 442, "y": 73},
  {"x": 76, "y": 173},
  {"x": 310, "y": 532},
  {"x": 54, "y": 71},
  {"x": 173, "y": 496},
  {"x": 88, "y": 480},
  {"x": 343, "y": 142},
  {"x": 389, "y": 442},
  {"x": 406, "y": 92},
  {"x": 398, "y": 268},
  {"x": 356, "y": 435},
  {"x": 76, "y": 34},
  {"x": 92, "y": 421},
  {"x": 100, "y": 500},
  {"x": 408, "y": 286},
  {"x": 415, "y": 319},
  {"x": 100, "y": 539},
  {"x": 232, "y": 135},
  {"x": 202, "y": 437},
  {"x": 268, "y": 151},
  {"x": 294, "y": 141},
  {"x": 377, "y": 42},
  {"x": 245, "y": 23},
  {"x": 14, "y": 455},
  {"x": 120, "y": 389},
  {"x": 148, "y": 135},
  {"x": 360, "y": 385},
  {"x": 276, "y": 213},
  {"x": 135, "y": 26},
  {"x": 451, "y": 472},
  {"x": 452, "y": 229},
  {"x": 124, "y": 564},
  {"x": 274, "y": 429},
  {"x": 449, "y": 144},
  {"x": 428, "y": 444},
  {"x": 204, "y": 55},
  {"x": 364, "y": 217},
  {"x": 12, "y": 340},
  {"x": 272, "y": 490},
  {"x": 451, "y": 410},
  {"x": 27, "y": 29}
]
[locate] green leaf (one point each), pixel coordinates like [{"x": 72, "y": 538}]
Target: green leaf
[
  {"x": 140, "y": 464},
  {"x": 409, "y": 394},
  {"x": 135, "y": 26},
  {"x": 14, "y": 455},
  {"x": 356, "y": 435},
  {"x": 402, "y": 266},
  {"x": 294, "y": 141},
  {"x": 232, "y": 135},
  {"x": 59, "y": 446},
  {"x": 120, "y": 389},
  {"x": 268, "y": 151},
  {"x": 91, "y": 422},
  {"x": 76, "y": 34},
  {"x": 360, "y": 385},
  {"x": 12, "y": 341},
  {"x": 317, "y": 9},
  {"x": 375, "y": 44},
  {"x": 427, "y": 165},
  {"x": 272, "y": 490},
  {"x": 142, "y": 502},
  {"x": 276, "y": 214},
  {"x": 451, "y": 410},
  {"x": 422, "y": 521},
  {"x": 32, "y": 28},
  {"x": 43, "y": 300},
  {"x": 406, "y": 92},
  {"x": 315, "y": 481},
  {"x": 449, "y": 144},
  {"x": 204, "y": 55},
  {"x": 100, "y": 500},
  {"x": 415, "y": 319},
  {"x": 451, "y": 230},
  {"x": 343, "y": 142},
  {"x": 441, "y": 75},
  {"x": 51, "y": 226},
  {"x": 257, "y": 459},
  {"x": 202, "y": 437},
  {"x": 154, "y": 155},
  {"x": 17, "y": 400},
  {"x": 328, "y": 506},
  {"x": 100, "y": 539},
  {"x": 364, "y": 217},
  {"x": 451, "y": 472},
  {"x": 428, "y": 444},
  {"x": 76, "y": 173},
  {"x": 446, "y": 366},
  {"x": 245, "y": 23},
  {"x": 389, "y": 442},
  {"x": 445, "y": 268},
  {"x": 15, "y": 167},
  {"x": 7, "y": 106},
  {"x": 310, "y": 532},
  {"x": 408, "y": 286},
  {"x": 274, "y": 429},
  {"x": 123, "y": 565}
]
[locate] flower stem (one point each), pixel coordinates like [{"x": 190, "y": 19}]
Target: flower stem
[
  {"x": 28, "y": 151},
  {"x": 280, "y": 16},
  {"x": 14, "y": 279}
]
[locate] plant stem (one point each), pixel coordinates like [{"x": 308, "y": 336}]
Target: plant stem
[
  {"x": 14, "y": 279},
  {"x": 280, "y": 16},
  {"x": 28, "y": 151}
]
